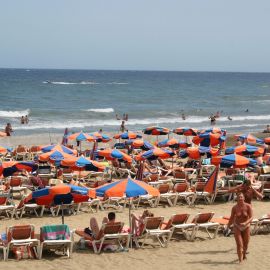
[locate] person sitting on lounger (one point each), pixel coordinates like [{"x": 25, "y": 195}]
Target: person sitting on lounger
[
  {"x": 138, "y": 222},
  {"x": 95, "y": 230}
]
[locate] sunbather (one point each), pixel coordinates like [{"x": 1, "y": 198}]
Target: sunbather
[
  {"x": 95, "y": 230},
  {"x": 138, "y": 222}
]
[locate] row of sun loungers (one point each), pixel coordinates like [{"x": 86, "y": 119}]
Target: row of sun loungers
[{"x": 60, "y": 237}]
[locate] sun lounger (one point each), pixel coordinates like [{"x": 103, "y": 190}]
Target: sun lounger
[
  {"x": 166, "y": 195},
  {"x": 203, "y": 222},
  {"x": 178, "y": 224},
  {"x": 21, "y": 235},
  {"x": 152, "y": 229},
  {"x": 261, "y": 224},
  {"x": 183, "y": 193},
  {"x": 109, "y": 234},
  {"x": 56, "y": 237},
  {"x": 8, "y": 210}
]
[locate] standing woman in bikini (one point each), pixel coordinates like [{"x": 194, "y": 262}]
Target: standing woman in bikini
[{"x": 241, "y": 217}]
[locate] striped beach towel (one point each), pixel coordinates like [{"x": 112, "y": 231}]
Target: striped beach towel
[{"x": 55, "y": 232}]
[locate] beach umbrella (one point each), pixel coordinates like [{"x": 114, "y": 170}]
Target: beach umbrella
[
  {"x": 267, "y": 140},
  {"x": 79, "y": 163},
  {"x": 81, "y": 136},
  {"x": 9, "y": 167},
  {"x": 198, "y": 152},
  {"x": 173, "y": 143},
  {"x": 139, "y": 143},
  {"x": 59, "y": 148},
  {"x": 100, "y": 137},
  {"x": 127, "y": 136},
  {"x": 54, "y": 156},
  {"x": 154, "y": 130},
  {"x": 59, "y": 195},
  {"x": 213, "y": 130},
  {"x": 246, "y": 150},
  {"x": 154, "y": 154},
  {"x": 209, "y": 139},
  {"x": 249, "y": 139},
  {"x": 233, "y": 160},
  {"x": 111, "y": 154},
  {"x": 127, "y": 188},
  {"x": 185, "y": 131}
]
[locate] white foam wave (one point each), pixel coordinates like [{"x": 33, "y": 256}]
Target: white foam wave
[
  {"x": 68, "y": 83},
  {"x": 118, "y": 83},
  {"x": 14, "y": 114},
  {"x": 102, "y": 110},
  {"x": 245, "y": 117}
]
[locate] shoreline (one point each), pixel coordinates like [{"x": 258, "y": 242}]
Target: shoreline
[{"x": 51, "y": 138}]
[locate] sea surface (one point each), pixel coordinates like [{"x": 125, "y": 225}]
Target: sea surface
[{"x": 90, "y": 99}]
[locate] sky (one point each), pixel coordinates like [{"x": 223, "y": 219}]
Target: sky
[{"x": 185, "y": 35}]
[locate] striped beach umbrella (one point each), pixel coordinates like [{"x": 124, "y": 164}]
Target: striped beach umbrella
[
  {"x": 245, "y": 150},
  {"x": 126, "y": 188},
  {"x": 9, "y": 167},
  {"x": 127, "y": 136},
  {"x": 233, "y": 160},
  {"x": 79, "y": 163},
  {"x": 59, "y": 195},
  {"x": 111, "y": 154},
  {"x": 81, "y": 136},
  {"x": 198, "y": 152},
  {"x": 54, "y": 156},
  {"x": 249, "y": 139},
  {"x": 154, "y": 130},
  {"x": 185, "y": 131},
  {"x": 173, "y": 143},
  {"x": 209, "y": 139},
  {"x": 59, "y": 148},
  {"x": 100, "y": 137},
  {"x": 142, "y": 144},
  {"x": 154, "y": 154},
  {"x": 214, "y": 130}
]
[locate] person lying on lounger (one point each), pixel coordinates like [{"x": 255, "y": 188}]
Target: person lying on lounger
[{"x": 138, "y": 222}]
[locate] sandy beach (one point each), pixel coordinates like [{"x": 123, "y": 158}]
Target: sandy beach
[{"x": 203, "y": 253}]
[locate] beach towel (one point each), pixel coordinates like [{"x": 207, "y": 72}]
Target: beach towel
[{"x": 55, "y": 232}]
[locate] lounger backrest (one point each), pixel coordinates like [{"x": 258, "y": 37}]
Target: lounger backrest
[
  {"x": 203, "y": 218},
  {"x": 179, "y": 174},
  {"x": 3, "y": 200},
  {"x": 34, "y": 149},
  {"x": 153, "y": 177},
  {"x": 153, "y": 223},
  {"x": 200, "y": 186},
  {"x": 20, "y": 232},
  {"x": 164, "y": 188},
  {"x": 266, "y": 184},
  {"x": 179, "y": 219},
  {"x": 181, "y": 187},
  {"x": 15, "y": 182},
  {"x": 21, "y": 149},
  {"x": 112, "y": 228}
]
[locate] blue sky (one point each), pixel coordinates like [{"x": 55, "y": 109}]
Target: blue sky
[{"x": 188, "y": 35}]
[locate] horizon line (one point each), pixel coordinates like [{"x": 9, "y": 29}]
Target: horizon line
[{"x": 133, "y": 70}]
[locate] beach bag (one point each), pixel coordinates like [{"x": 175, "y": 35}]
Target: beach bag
[{"x": 23, "y": 252}]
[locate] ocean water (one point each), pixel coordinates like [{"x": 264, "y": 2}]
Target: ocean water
[{"x": 89, "y": 99}]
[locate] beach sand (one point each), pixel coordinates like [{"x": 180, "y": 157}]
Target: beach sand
[{"x": 203, "y": 253}]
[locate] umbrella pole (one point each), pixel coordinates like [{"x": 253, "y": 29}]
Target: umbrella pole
[
  {"x": 63, "y": 218},
  {"x": 130, "y": 223}
]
